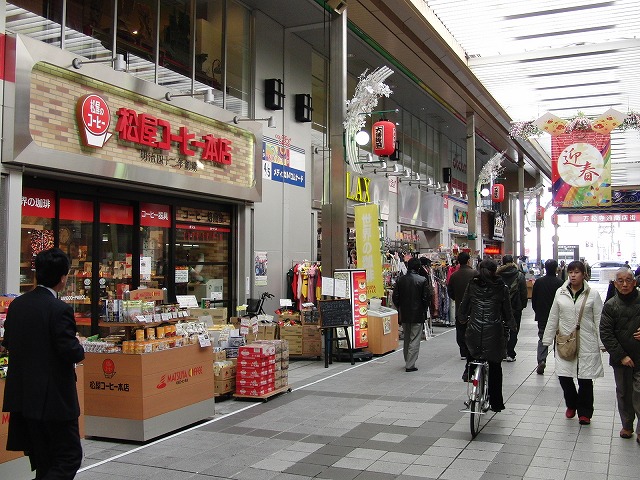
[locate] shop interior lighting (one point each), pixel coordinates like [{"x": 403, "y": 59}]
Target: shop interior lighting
[
  {"x": 119, "y": 65},
  {"x": 484, "y": 192},
  {"x": 208, "y": 95},
  {"x": 269, "y": 120}
]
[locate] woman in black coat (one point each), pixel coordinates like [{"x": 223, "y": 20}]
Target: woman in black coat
[{"x": 487, "y": 307}]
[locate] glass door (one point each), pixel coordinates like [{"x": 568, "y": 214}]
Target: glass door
[
  {"x": 155, "y": 224},
  {"x": 115, "y": 251}
]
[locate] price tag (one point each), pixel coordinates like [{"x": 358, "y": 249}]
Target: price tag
[
  {"x": 204, "y": 340},
  {"x": 141, "y": 318},
  {"x": 187, "y": 301},
  {"x": 286, "y": 302},
  {"x": 165, "y": 316}
]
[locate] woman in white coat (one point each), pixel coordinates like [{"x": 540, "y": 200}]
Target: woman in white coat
[{"x": 587, "y": 366}]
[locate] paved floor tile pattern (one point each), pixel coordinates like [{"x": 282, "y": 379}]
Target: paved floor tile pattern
[{"x": 373, "y": 421}]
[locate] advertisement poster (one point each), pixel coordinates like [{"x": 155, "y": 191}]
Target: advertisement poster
[
  {"x": 581, "y": 169},
  {"x": 283, "y": 162},
  {"x": 260, "y": 265},
  {"x": 360, "y": 304},
  {"x": 356, "y": 283},
  {"x": 368, "y": 247}
]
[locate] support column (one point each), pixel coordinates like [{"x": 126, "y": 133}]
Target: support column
[
  {"x": 334, "y": 208},
  {"x": 472, "y": 220},
  {"x": 538, "y": 222},
  {"x": 521, "y": 202}
]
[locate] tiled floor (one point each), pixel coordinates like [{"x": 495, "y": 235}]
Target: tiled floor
[{"x": 374, "y": 421}]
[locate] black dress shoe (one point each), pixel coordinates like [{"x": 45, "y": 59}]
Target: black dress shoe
[
  {"x": 497, "y": 408},
  {"x": 412, "y": 369}
]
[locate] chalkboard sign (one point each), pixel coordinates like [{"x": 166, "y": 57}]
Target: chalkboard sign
[{"x": 335, "y": 313}]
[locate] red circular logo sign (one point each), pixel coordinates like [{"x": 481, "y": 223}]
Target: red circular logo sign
[
  {"x": 108, "y": 367},
  {"x": 96, "y": 116}
]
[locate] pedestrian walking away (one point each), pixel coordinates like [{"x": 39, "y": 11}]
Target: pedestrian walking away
[
  {"x": 517, "y": 283},
  {"x": 620, "y": 335},
  {"x": 575, "y": 303},
  {"x": 542, "y": 295},
  {"x": 455, "y": 290},
  {"x": 487, "y": 309},
  {"x": 40, "y": 391},
  {"x": 412, "y": 295}
]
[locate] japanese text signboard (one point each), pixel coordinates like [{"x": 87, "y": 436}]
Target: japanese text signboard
[{"x": 581, "y": 169}]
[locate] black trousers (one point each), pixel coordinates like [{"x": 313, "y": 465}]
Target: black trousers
[
  {"x": 56, "y": 451},
  {"x": 461, "y": 329},
  {"x": 513, "y": 337},
  {"x": 581, "y": 399}
]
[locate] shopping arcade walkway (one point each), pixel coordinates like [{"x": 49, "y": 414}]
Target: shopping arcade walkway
[{"x": 375, "y": 421}]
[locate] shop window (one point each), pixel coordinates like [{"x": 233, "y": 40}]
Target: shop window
[
  {"x": 175, "y": 44},
  {"x": 37, "y": 19},
  {"x": 203, "y": 253},
  {"x": 75, "y": 237},
  {"x": 209, "y": 57},
  {"x": 116, "y": 257},
  {"x": 90, "y": 29},
  {"x": 38, "y": 213},
  {"x": 238, "y": 73},
  {"x": 155, "y": 224}
]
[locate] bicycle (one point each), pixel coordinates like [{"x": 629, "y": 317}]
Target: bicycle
[
  {"x": 255, "y": 305},
  {"x": 478, "y": 393}
]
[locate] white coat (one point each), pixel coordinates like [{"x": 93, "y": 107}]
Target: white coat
[{"x": 564, "y": 314}]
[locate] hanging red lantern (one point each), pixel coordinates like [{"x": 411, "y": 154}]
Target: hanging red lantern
[
  {"x": 539, "y": 214},
  {"x": 497, "y": 192},
  {"x": 384, "y": 138}
]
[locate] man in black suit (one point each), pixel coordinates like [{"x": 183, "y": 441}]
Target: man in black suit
[{"x": 40, "y": 391}]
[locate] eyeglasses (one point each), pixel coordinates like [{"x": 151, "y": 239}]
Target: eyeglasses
[{"x": 623, "y": 281}]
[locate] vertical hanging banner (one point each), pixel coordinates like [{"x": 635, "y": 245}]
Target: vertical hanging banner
[
  {"x": 368, "y": 247},
  {"x": 581, "y": 169}
]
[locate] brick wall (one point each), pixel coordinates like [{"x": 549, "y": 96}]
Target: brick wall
[{"x": 55, "y": 91}]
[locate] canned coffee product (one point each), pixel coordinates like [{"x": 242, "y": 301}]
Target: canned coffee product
[
  {"x": 160, "y": 331},
  {"x": 140, "y": 334},
  {"x": 151, "y": 333}
]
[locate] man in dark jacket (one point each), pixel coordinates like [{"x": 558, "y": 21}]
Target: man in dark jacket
[
  {"x": 40, "y": 391},
  {"x": 620, "y": 335},
  {"x": 544, "y": 291},
  {"x": 455, "y": 290},
  {"x": 412, "y": 295},
  {"x": 514, "y": 279}
]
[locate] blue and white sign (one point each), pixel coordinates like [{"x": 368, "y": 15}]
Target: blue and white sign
[{"x": 283, "y": 162}]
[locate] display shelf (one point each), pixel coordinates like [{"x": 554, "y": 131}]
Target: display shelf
[{"x": 266, "y": 397}]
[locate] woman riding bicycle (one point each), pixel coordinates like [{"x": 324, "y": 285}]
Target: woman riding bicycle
[{"x": 487, "y": 307}]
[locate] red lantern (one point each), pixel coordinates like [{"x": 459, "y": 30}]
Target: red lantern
[
  {"x": 497, "y": 192},
  {"x": 384, "y": 138},
  {"x": 539, "y": 214}
]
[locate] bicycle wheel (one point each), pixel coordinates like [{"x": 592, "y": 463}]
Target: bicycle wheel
[{"x": 477, "y": 401}]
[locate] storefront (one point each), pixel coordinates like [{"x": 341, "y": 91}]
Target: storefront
[{"x": 110, "y": 173}]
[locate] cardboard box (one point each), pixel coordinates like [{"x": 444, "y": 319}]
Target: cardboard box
[
  {"x": 223, "y": 370},
  {"x": 267, "y": 332},
  {"x": 311, "y": 348},
  {"x": 311, "y": 332},
  {"x": 219, "y": 355},
  {"x": 289, "y": 332},
  {"x": 247, "y": 372},
  {"x": 218, "y": 315},
  {"x": 256, "y": 350},
  {"x": 284, "y": 365},
  {"x": 255, "y": 382},
  {"x": 310, "y": 317},
  {"x": 255, "y": 391},
  {"x": 257, "y": 362},
  {"x": 224, "y": 386},
  {"x": 279, "y": 383},
  {"x": 289, "y": 317}
]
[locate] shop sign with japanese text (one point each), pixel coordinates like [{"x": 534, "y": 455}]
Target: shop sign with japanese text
[
  {"x": 283, "y": 162},
  {"x": 145, "y": 130}
]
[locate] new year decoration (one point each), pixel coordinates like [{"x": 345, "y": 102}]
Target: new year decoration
[
  {"x": 370, "y": 88},
  {"x": 492, "y": 169}
]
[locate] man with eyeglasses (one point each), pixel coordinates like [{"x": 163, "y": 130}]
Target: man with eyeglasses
[{"x": 620, "y": 335}]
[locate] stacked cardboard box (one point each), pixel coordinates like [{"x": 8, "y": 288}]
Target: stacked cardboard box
[
  {"x": 255, "y": 375},
  {"x": 293, "y": 335},
  {"x": 311, "y": 341},
  {"x": 224, "y": 376},
  {"x": 281, "y": 365}
]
